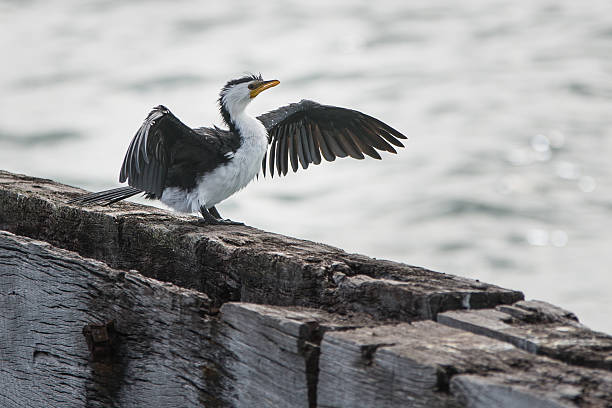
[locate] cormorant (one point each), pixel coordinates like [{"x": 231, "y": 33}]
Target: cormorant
[{"x": 193, "y": 170}]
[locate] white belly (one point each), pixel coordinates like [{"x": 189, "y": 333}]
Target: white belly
[
  {"x": 216, "y": 186},
  {"x": 230, "y": 178}
]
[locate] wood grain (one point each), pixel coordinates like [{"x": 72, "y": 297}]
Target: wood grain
[
  {"x": 540, "y": 328},
  {"x": 426, "y": 364},
  {"x": 172, "y": 314},
  {"x": 231, "y": 263},
  {"x": 47, "y": 297}
]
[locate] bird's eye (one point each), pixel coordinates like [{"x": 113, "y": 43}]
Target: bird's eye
[{"x": 252, "y": 85}]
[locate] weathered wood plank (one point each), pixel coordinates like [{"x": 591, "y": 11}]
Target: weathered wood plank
[
  {"x": 169, "y": 347},
  {"x": 486, "y": 392},
  {"x": 274, "y": 358},
  {"x": 277, "y": 351},
  {"x": 540, "y": 328},
  {"x": 235, "y": 263},
  {"x": 172, "y": 348},
  {"x": 427, "y": 364},
  {"x": 48, "y": 296}
]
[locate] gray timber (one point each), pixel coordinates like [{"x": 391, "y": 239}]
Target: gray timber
[{"x": 131, "y": 306}]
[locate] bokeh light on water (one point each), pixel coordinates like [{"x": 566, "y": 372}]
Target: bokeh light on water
[{"x": 506, "y": 174}]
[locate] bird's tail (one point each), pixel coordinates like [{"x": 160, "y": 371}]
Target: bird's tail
[{"x": 106, "y": 197}]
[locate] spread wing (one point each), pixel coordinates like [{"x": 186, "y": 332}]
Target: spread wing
[
  {"x": 304, "y": 132},
  {"x": 148, "y": 157}
]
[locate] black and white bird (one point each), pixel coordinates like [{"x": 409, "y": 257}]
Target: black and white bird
[{"x": 193, "y": 170}]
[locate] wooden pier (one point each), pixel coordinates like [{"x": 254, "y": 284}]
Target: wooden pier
[{"x": 131, "y": 306}]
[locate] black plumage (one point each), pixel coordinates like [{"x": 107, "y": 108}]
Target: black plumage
[
  {"x": 194, "y": 169},
  {"x": 300, "y": 133},
  {"x": 107, "y": 197},
  {"x": 167, "y": 153}
]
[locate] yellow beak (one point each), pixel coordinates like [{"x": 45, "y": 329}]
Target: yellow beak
[{"x": 263, "y": 86}]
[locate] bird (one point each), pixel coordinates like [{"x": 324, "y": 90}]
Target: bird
[{"x": 193, "y": 169}]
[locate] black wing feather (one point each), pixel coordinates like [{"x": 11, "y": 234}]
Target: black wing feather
[
  {"x": 294, "y": 146},
  {"x": 106, "y": 197},
  {"x": 304, "y": 132},
  {"x": 280, "y": 151},
  {"x": 327, "y": 153},
  {"x": 145, "y": 165},
  {"x": 315, "y": 152},
  {"x": 371, "y": 137},
  {"x": 303, "y": 153},
  {"x": 348, "y": 145},
  {"x": 272, "y": 155},
  {"x": 363, "y": 145},
  {"x": 166, "y": 152},
  {"x": 332, "y": 142},
  {"x": 390, "y": 138}
]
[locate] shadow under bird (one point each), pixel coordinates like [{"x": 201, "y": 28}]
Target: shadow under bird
[{"x": 193, "y": 170}]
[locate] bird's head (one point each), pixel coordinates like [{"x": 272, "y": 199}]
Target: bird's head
[{"x": 237, "y": 93}]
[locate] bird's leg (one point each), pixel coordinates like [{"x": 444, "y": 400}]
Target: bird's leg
[
  {"x": 214, "y": 212},
  {"x": 209, "y": 217}
]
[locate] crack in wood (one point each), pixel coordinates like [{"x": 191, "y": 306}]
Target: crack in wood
[{"x": 177, "y": 346}]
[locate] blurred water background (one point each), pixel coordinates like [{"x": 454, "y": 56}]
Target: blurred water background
[{"x": 506, "y": 176}]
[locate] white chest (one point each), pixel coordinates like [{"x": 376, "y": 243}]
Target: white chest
[
  {"x": 239, "y": 171},
  {"x": 225, "y": 180}
]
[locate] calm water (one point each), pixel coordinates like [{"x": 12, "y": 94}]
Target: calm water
[{"x": 506, "y": 176}]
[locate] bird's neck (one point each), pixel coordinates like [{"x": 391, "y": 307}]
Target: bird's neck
[
  {"x": 239, "y": 121},
  {"x": 249, "y": 128}
]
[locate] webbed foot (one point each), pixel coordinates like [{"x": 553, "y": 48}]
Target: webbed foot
[{"x": 209, "y": 217}]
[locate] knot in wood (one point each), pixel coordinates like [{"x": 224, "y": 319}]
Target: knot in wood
[{"x": 101, "y": 340}]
